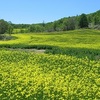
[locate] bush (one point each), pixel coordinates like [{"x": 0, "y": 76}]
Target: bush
[{"x": 5, "y": 37}]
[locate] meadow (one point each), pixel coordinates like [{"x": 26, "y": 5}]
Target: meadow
[{"x": 69, "y": 69}]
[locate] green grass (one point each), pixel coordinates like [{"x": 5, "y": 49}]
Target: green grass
[
  {"x": 69, "y": 70},
  {"x": 27, "y": 76},
  {"x": 78, "y": 39}
]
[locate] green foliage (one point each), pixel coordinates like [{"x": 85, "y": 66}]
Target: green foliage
[
  {"x": 93, "y": 54},
  {"x": 94, "y": 20},
  {"x": 70, "y": 24},
  {"x": 69, "y": 70},
  {"x": 83, "y": 22},
  {"x": 36, "y": 28},
  {"x": 29, "y": 76},
  {"x": 96, "y": 17},
  {"x": 85, "y": 38},
  {"x": 3, "y": 26},
  {"x": 6, "y": 37},
  {"x": 64, "y": 24},
  {"x": 49, "y": 27},
  {"x": 10, "y": 29}
]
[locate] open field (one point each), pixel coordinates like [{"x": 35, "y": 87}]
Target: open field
[
  {"x": 69, "y": 69},
  {"x": 79, "y": 39}
]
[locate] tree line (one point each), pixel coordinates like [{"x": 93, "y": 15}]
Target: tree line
[{"x": 64, "y": 24}]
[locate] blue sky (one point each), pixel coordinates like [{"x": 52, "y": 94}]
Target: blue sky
[{"x": 37, "y": 11}]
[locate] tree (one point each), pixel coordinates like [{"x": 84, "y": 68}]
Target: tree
[
  {"x": 31, "y": 28},
  {"x": 39, "y": 28},
  {"x": 49, "y": 27},
  {"x": 43, "y": 24},
  {"x": 3, "y": 26},
  {"x": 70, "y": 23},
  {"x": 83, "y": 22},
  {"x": 96, "y": 20},
  {"x": 36, "y": 28},
  {"x": 55, "y": 25},
  {"x": 10, "y": 29}
]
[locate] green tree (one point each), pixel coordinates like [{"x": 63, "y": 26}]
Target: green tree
[
  {"x": 49, "y": 27},
  {"x": 39, "y": 28},
  {"x": 31, "y": 28},
  {"x": 70, "y": 23},
  {"x": 10, "y": 29},
  {"x": 96, "y": 20},
  {"x": 36, "y": 28},
  {"x": 3, "y": 26},
  {"x": 83, "y": 22}
]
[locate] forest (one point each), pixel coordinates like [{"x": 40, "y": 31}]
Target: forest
[{"x": 91, "y": 21}]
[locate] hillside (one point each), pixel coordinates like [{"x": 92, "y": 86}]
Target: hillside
[
  {"x": 91, "y": 21},
  {"x": 63, "y": 24}
]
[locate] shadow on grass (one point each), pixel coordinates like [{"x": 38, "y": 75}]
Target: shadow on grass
[
  {"x": 25, "y": 46},
  {"x": 78, "y": 52}
]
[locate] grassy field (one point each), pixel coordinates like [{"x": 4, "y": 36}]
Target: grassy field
[
  {"x": 79, "y": 39},
  {"x": 68, "y": 70}
]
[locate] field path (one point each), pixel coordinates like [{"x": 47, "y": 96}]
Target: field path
[{"x": 29, "y": 50}]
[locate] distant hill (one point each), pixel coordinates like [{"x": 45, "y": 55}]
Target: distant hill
[
  {"x": 72, "y": 22},
  {"x": 63, "y": 24}
]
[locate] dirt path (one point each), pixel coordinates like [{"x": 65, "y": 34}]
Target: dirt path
[{"x": 29, "y": 50}]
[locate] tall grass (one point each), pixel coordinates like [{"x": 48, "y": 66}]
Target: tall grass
[
  {"x": 69, "y": 70},
  {"x": 30, "y": 76}
]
